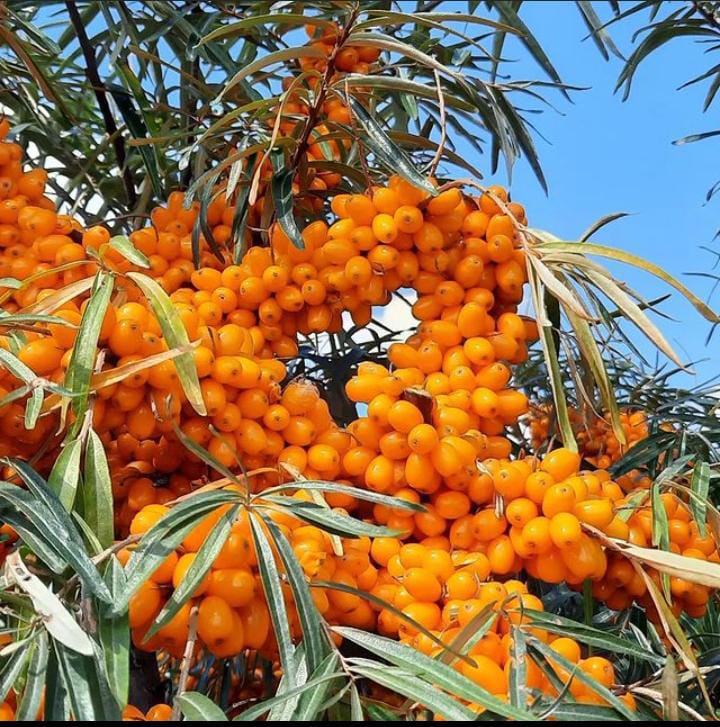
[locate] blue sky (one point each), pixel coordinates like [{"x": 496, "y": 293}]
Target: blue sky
[{"x": 605, "y": 155}]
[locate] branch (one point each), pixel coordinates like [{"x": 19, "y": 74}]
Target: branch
[
  {"x": 186, "y": 663},
  {"x": 322, "y": 93},
  {"x": 709, "y": 11},
  {"x": 91, "y": 72}
]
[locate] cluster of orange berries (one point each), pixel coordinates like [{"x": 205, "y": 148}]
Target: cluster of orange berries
[
  {"x": 232, "y": 613},
  {"x": 491, "y": 655},
  {"x": 439, "y": 569},
  {"x": 595, "y": 437},
  {"x": 156, "y": 713},
  {"x": 436, "y": 247}
]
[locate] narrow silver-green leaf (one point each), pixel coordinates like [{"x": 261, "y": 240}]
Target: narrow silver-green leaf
[
  {"x": 444, "y": 676},
  {"x": 387, "y": 151},
  {"x": 196, "y": 707},
  {"x": 266, "y": 60},
  {"x": 86, "y": 686},
  {"x": 175, "y": 336},
  {"x": 32, "y": 695},
  {"x": 274, "y": 597},
  {"x": 411, "y": 686},
  {"x": 700, "y": 485},
  {"x": 124, "y": 246},
  {"x": 82, "y": 360},
  {"x": 13, "y": 666},
  {"x": 65, "y": 474},
  {"x": 256, "y": 711},
  {"x": 164, "y": 537},
  {"x": 114, "y": 635},
  {"x": 314, "y": 636},
  {"x": 96, "y": 491}
]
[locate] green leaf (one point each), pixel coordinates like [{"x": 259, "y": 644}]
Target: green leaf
[
  {"x": 256, "y": 711},
  {"x": 556, "y": 624},
  {"x": 34, "y": 536},
  {"x": 331, "y": 521},
  {"x": 691, "y": 138},
  {"x": 576, "y": 712},
  {"x": 660, "y": 523},
  {"x": 517, "y": 682},
  {"x": 409, "y": 685},
  {"x": 311, "y": 704},
  {"x": 281, "y": 187},
  {"x": 32, "y": 694},
  {"x": 114, "y": 635},
  {"x": 508, "y": 14},
  {"x": 269, "y": 59},
  {"x": 372, "y": 598},
  {"x": 400, "y": 85},
  {"x": 274, "y": 597},
  {"x": 380, "y": 713},
  {"x": 599, "y": 224},
  {"x": 591, "y": 248},
  {"x": 252, "y": 21},
  {"x": 700, "y": 485},
  {"x": 124, "y": 246},
  {"x": 315, "y": 638},
  {"x": 337, "y": 488},
  {"x": 135, "y": 123},
  {"x": 598, "y": 33},
  {"x": 86, "y": 686},
  {"x": 18, "y": 369},
  {"x": 52, "y": 527},
  {"x": 550, "y": 355},
  {"x": 432, "y": 20},
  {"x": 82, "y": 360},
  {"x": 175, "y": 336},
  {"x": 56, "y": 706},
  {"x": 65, "y": 474},
  {"x": 422, "y": 666},
  {"x": 200, "y": 566},
  {"x": 207, "y": 193},
  {"x": 644, "y": 452},
  {"x": 28, "y": 319},
  {"x": 196, "y": 707},
  {"x": 389, "y": 153},
  {"x": 202, "y": 454},
  {"x": 13, "y": 667},
  {"x": 96, "y": 492},
  {"x": 660, "y": 34}
]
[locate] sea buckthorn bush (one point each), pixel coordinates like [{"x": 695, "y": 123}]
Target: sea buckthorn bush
[{"x": 210, "y": 511}]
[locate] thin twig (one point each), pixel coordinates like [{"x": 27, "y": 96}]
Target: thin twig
[
  {"x": 708, "y": 11},
  {"x": 186, "y": 661},
  {"x": 93, "y": 76},
  {"x": 325, "y": 83}
]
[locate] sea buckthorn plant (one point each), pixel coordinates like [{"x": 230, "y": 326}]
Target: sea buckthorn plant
[{"x": 232, "y": 486}]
